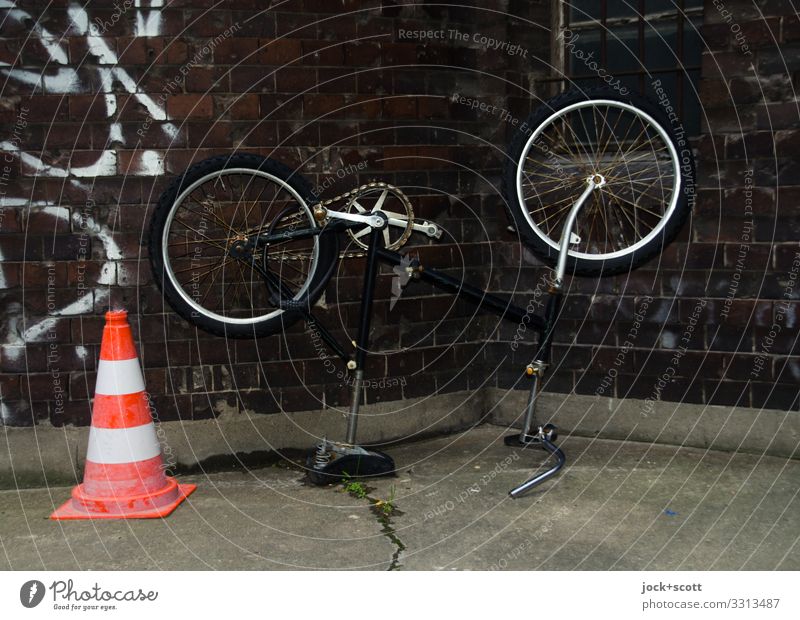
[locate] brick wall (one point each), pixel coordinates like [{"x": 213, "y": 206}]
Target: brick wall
[
  {"x": 724, "y": 295},
  {"x": 746, "y": 234},
  {"x": 715, "y": 319},
  {"x": 101, "y": 106},
  {"x": 104, "y": 105}
]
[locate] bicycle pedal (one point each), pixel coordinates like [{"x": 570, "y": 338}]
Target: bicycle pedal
[
  {"x": 334, "y": 462},
  {"x": 547, "y": 432},
  {"x": 519, "y": 441}
]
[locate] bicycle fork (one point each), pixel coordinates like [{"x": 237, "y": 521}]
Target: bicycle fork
[
  {"x": 331, "y": 461},
  {"x": 545, "y": 435}
]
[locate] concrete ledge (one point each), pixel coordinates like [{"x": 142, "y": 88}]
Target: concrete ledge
[
  {"x": 54, "y": 456},
  {"x": 732, "y": 429}
]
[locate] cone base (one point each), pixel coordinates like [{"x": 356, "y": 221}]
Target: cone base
[{"x": 153, "y": 506}]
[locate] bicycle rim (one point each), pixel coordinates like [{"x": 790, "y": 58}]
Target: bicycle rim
[
  {"x": 232, "y": 204},
  {"x": 624, "y": 144}
]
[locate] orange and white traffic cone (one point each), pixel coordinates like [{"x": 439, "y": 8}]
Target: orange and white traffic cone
[{"x": 124, "y": 476}]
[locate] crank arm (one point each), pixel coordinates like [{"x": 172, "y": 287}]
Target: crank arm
[
  {"x": 401, "y": 221},
  {"x": 371, "y": 219}
]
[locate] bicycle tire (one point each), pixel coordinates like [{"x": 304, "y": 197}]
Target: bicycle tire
[
  {"x": 263, "y": 319},
  {"x": 616, "y": 259}
]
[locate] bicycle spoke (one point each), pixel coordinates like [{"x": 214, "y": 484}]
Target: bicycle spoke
[
  {"x": 638, "y": 208},
  {"x": 211, "y": 213},
  {"x": 648, "y": 181},
  {"x": 380, "y": 201},
  {"x": 197, "y": 232},
  {"x": 244, "y": 286},
  {"x": 553, "y": 177},
  {"x": 633, "y": 204},
  {"x": 551, "y": 153},
  {"x": 214, "y": 279},
  {"x": 588, "y": 236},
  {"x": 610, "y": 136},
  {"x": 179, "y": 243},
  {"x": 620, "y": 157},
  {"x": 190, "y": 253},
  {"x": 255, "y": 202},
  {"x": 636, "y": 159},
  {"x": 621, "y": 223},
  {"x": 583, "y": 124},
  {"x": 362, "y": 232},
  {"x": 625, "y": 213},
  {"x": 625, "y": 158},
  {"x": 598, "y": 134},
  {"x": 555, "y": 214},
  {"x": 643, "y": 193},
  {"x": 185, "y": 269},
  {"x": 565, "y": 143},
  {"x": 544, "y": 193},
  {"x": 604, "y": 213}
]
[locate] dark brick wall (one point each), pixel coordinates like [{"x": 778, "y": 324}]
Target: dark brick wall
[
  {"x": 715, "y": 319},
  {"x": 719, "y": 311},
  {"x": 746, "y": 233},
  {"x": 102, "y": 121},
  {"x": 324, "y": 86}
]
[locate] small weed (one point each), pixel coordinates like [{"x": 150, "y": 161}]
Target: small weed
[
  {"x": 383, "y": 509},
  {"x": 386, "y": 506},
  {"x": 354, "y": 487}
]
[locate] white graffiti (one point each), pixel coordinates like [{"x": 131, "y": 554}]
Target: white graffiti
[
  {"x": 66, "y": 81},
  {"x": 62, "y": 80}
]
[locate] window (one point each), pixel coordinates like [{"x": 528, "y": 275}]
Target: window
[{"x": 634, "y": 44}]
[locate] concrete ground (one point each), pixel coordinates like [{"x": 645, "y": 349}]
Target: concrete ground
[{"x": 616, "y": 505}]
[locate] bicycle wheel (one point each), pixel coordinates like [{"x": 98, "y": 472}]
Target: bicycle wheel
[
  {"x": 216, "y": 203},
  {"x": 625, "y": 139}
]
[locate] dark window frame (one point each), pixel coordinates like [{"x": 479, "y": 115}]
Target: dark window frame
[{"x": 643, "y": 20}]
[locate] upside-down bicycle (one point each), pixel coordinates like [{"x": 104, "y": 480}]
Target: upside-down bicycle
[{"x": 594, "y": 185}]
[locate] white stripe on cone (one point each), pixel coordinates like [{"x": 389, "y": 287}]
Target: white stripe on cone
[
  {"x": 122, "y": 445},
  {"x": 116, "y": 377}
]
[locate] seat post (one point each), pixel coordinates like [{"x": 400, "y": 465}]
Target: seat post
[
  {"x": 533, "y": 433},
  {"x": 362, "y": 343},
  {"x": 331, "y": 461}
]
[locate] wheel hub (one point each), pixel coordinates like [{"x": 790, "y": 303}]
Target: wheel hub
[
  {"x": 598, "y": 180},
  {"x": 238, "y": 247}
]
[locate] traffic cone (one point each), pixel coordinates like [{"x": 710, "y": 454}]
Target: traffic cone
[{"x": 124, "y": 475}]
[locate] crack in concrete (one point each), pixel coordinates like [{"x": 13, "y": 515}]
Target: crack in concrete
[
  {"x": 384, "y": 519},
  {"x": 387, "y": 529}
]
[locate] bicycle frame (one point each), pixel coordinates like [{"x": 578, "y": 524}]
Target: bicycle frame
[{"x": 334, "y": 222}]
